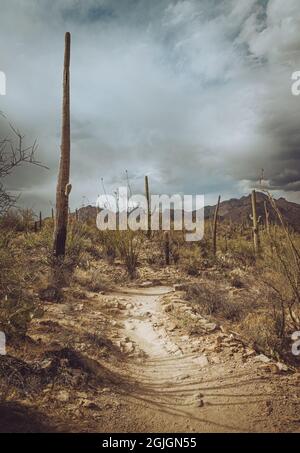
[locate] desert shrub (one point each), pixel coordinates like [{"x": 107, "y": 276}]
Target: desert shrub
[
  {"x": 155, "y": 258},
  {"x": 9, "y": 275},
  {"x": 281, "y": 269},
  {"x": 241, "y": 249},
  {"x": 264, "y": 331},
  {"x": 17, "y": 309},
  {"x": 236, "y": 281},
  {"x": 129, "y": 245},
  {"x": 11, "y": 220},
  {"x": 208, "y": 302},
  {"x": 191, "y": 268},
  {"x": 190, "y": 259},
  {"x": 77, "y": 241},
  {"x": 92, "y": 280},
  {"x": 42, "y": 239},
  {"x": 27, "y": 219},
  {"x": 235, "y": 278},
  {"x": 109, "y": 241}
]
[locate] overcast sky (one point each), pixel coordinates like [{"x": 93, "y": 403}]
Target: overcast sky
[{"x": 194, "y": 93}]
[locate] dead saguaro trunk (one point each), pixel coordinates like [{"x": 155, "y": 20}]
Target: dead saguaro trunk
[
  {"x": 41, "y": 221},
  {"x": 63, "y": 187},
  {"x": 167, "y": 247},
  {"x": 267, "y": 217},
  {"x": 215, "y": 224},
  {"x": 148, "y": 207},
  {"x": 52, "y": 213},
  {"x": 35, "y": 227},
  {"x": 255, "y": 223}
]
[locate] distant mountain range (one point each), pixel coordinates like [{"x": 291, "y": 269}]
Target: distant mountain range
[
  {"x": 238, "y": 210},
  {"x": 234, "y": 210}
]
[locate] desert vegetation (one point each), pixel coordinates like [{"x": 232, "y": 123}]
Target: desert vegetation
[
  {"x": 226, "y": 279},
  {"x": 61, "y": 278}
]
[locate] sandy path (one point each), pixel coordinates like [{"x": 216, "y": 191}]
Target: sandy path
[{"x": 179, "y": 388}]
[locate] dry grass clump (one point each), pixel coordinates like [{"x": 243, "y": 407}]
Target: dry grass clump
[
  {"x": 92, "y": 280},
  {"x": 16, "y": 312},
  {"x": 191, "y": 261},
  {"x": 17, "y": 306},
  {"x": 123, "y": 244},
  {"x": 207, "y": 301},
  {"x": 264, "y": 332}
]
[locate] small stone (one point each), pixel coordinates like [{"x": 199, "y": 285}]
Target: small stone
[
  {"x": 91, "y": 405},
  {"x": 202, "y": 361},
  {"x": 263, "y": 358},
  {"x": 63, "y": 396},
  {"x": 209, "y": 326},
  {"x": 106, "y": 390},
  {"x": 46, "y": 364},
  {"x": 216, "y": 360},
  {"x": 173, "y": 326},
  {"x": 147, "y": 284},
  {"x": 128, "y": 347},
  {"x": 282, "y": 366},
  {"x": 270, "y": 368}
]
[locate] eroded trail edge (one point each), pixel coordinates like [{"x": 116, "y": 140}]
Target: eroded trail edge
[{"x": 206, "y": 382}]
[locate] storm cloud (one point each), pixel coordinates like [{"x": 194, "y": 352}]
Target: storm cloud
[{"x": 194, "y": 93}]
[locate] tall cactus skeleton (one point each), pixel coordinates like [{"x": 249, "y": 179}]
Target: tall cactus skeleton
[
  {"x": 167, "y": 247},
  {"x": 63, "y": 188},
  {"x": 255, "y": 222},
  {"x": 267, "y": 217},
  {"x": 215, "y": 224},
  {"x": 148, "y": 207}
]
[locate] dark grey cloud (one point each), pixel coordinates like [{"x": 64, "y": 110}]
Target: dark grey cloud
[{"x": 195, "y": 93}]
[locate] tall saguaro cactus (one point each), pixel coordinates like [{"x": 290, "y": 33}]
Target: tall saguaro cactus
[
  {"x": 267, "y": 217},
  {"x": 215, "y": 224},
  {"x": 167, "y": 247},
  {"x": 63, "y": 187},
  {"x": 148, "y": 206},
  {"x": 255, "y": 222}
]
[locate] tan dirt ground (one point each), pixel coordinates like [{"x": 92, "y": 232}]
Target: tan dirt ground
[{"x": 120, "y": 362}]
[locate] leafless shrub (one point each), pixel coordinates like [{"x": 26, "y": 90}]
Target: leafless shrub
[
  {"x": 264, "y": 332},
  {"x": 17, "y": 309},
  {"x": 129, "y": 246},
  {"x": 92, "y": 280},
  {"x": 282, "y": 269},
  {"x": 209, "y": 302},
  {"x": 13, "y": 153}
]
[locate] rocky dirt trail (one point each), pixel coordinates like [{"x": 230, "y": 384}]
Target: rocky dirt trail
[
  {"x": 141, "y": 359},
  {"x": 195, "y": 383}
]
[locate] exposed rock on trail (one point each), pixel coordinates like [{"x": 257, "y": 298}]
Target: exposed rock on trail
[
  {"x": 207, "y": 382},
  {"x": 142, "y": 360}
]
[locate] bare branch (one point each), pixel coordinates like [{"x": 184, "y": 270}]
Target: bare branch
[{"x": 13, "y": 154}]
